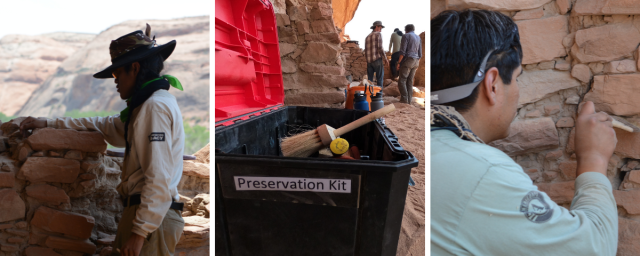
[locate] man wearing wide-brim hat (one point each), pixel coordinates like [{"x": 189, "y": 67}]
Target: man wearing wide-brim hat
[
  {"x": 374, "y": 53},
  {"x": 151, "y": 130}
]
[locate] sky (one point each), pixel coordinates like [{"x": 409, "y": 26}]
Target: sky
[
  {"x": 34, "y": 17},
  {"x": 393, "y": 14}
]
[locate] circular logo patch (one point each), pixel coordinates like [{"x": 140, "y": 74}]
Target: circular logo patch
[{"x": 535, "y": 208}]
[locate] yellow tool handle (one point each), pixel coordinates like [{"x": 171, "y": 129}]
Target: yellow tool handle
[
  {"x": 364, "y": 120},
  {"x": 618, "y": 124}
]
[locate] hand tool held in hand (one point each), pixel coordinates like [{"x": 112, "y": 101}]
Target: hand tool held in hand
[
  {"x": 624, "y": 125},
  {"x": 305, "y": 144}
]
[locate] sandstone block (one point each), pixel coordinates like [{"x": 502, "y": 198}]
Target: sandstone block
[
  {"x": 541, "y": 39},
  {"x": 560, "y": 192},
  {"x": 535, "y": 85},
  {"x": 72, "y": 224},
  {"x": 552, "y": 109},
  {"x": 546, "y": 65},
  {"x": 85, "y": 246},
  {"x": 17, "y": 232},
  {"x": 297, "y": 13},
  {"x": 302, "y": 80},
  {"x": 24, "y": 152},
  {"x": 606, "y": 7},
  {"x": 73, "y": 154},
  {"x": 628, "y": 234},
  {"x": 47, "y": 169},
  {"x": 529, "y": 136},
  {"x": 6, "y": 226},
  {"x": 15, "y": 240},
  {"x": 621, "y": 66},
  {"x": 319, "y": 68},
  {"x": 320, "y": 52},
  {"x": 322, "y": 12},
  {"x": 55, "y": 139},
  {"x": 300, "y": 99},
  {"x": 285, "y": 48},
  {"x": 282, "y": 20},
  {"x": 47, "y": 193},
  {"x": 581, "y": 72},
  {"x": 573, "y": 100},
  {"x": 89, "y": 165},
  {"x": 634, "y": 176},
  {"x": 529, "y": 14},
  {"x": 628, "y": 200},
  {"x": 616, "y": 94},
  {"x": 563, "y": 6},
  {"x": 606, "y": 43},
  {"x": 553, "y": 155},
  {"x": 324, "y": 37},
  {"x": 9, "y": 247},
  {"x": 288, "y": 65},
  {"x": 303, "y": 27},
  {"x": 565, "y": 122},
  {"x": 11, "y": 205},
  {"x": 21, "y": 225},
  {"x": 7, "y": 179},
  {"x": 533, "y": 114},
  {"x": 287, "y": 35},
  {"x": 40, "y": 251},
  {"x": 88, "y": 176},
  {"x": 323, "y": 26},
  {"x": 496, "y": 5},
  {"x": 568, "y": 169}
]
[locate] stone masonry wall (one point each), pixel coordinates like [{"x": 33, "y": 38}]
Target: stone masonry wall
[
  {"x": 313, "y": 71},
  {"x": 58, "y": 196},
  {"x": 574, "y": 50}
]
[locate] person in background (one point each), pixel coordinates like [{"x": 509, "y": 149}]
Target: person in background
[
  {"x": 374, "y": 53},
  {"x": 410, "y": 54},
  {"x": 394, "y": 49}
]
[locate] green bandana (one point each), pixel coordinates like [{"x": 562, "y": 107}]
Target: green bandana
[{"x": 173, "y": 81}]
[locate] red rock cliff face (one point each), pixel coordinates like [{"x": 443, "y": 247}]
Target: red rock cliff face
[
  {"x": 72, "y": 86},
  {"x": 574, "y": 51}
]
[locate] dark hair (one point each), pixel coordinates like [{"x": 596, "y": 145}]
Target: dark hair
[
  {"x": 409, "y": 28},
  {"x": 150, "y": 68},
  {"x": 459, "y": 42},
  {"x": 399, "y": 33}
]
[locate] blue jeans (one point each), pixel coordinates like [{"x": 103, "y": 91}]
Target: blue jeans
[{"x": 377, "y": 67}]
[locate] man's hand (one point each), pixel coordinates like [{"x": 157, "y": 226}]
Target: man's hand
[
  {"x": 31, "y": 123},
  {"x": 133, "y": 246},
  {"x": 595, "y": 140}
]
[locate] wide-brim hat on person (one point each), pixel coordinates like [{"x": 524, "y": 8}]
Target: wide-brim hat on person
[
  {"x": 133, "y": 47},
  {"x": 377, "y": 23}
]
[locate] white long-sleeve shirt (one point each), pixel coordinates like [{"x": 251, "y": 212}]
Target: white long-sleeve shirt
[
  {"x": 482, "y": 203},
  {"x": 153, "y": 167}
]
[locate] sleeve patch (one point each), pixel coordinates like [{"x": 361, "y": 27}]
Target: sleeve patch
[
  {"x": 535, "y": 208},
  {"x": 156, "y": 136}
]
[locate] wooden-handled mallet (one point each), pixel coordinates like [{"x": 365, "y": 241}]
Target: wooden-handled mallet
[{"x": 305, "y": 144}]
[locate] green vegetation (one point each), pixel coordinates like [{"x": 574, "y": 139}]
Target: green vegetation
[
  {"x": 196, "y": 136},
  {"x": 5, "y": 118}
]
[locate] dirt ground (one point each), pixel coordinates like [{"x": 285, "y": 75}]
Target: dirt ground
[{"x": 408, "y": 123}]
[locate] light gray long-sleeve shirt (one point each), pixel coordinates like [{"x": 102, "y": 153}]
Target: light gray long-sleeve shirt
[
  {"x": 153, "y": 167},
  {"x": 482, "y": 203}
]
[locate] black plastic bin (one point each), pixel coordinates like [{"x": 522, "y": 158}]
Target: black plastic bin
[{"x": 364, "y": 221}]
